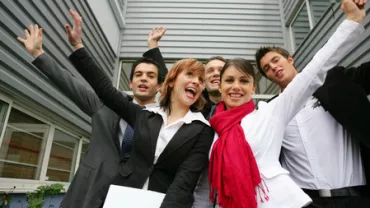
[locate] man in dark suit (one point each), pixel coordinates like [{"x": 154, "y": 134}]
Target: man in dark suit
[
  {"x": 110, "y": 144},
  {"x": 321, "y": 147}
]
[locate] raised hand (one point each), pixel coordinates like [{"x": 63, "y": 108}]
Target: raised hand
[
  {"x": 33, "y": 41},
  {"x": 154, "y": 36},
  {"x": 354, "y": 10},
  {"x": 75, "y": 34}
]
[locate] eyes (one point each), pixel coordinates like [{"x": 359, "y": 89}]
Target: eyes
[
  {"x": 150, "y": 75},
  {"x": 231, "y": 80},
  {"x": 274, "y": 60},
  {"x": 191, "y": 75}
]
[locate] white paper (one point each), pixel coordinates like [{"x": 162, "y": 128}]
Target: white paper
[{"x": 125, "y": 197}]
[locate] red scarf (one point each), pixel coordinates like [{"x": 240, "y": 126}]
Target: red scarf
[{"x": 233, "y": 171}]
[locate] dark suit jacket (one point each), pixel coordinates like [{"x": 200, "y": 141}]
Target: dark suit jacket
[
  {"x": 344, "y": 96},
  {"x": 102, "y": 161},
  {"x": 178, "y": 168}
]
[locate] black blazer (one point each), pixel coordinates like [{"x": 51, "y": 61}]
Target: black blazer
[
  {"x": 344, "y": 96},
  {"x": 102, "y": 162},
  {"x": 179, "y": 166}
]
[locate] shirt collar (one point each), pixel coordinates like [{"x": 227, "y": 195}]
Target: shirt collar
[
  {"x": 189, "y": 117},
  {"x": 150, "y": 105}
]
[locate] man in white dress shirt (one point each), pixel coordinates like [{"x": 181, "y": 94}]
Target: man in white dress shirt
[{"x": 320, "y": 154}]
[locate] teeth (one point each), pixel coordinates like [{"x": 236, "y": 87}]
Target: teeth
[
  {"x": 191, "y": 90},
  {"x": 235, "y": 95}
]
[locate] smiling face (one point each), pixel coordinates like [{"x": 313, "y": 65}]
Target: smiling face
[
  {"x": 212, "y": 75},
  {"x": 278, "y": 69},
  {"x": 144, "y": 83},
  {"x": 187, "y": 88},
  {"x": 237, "y": 86}
]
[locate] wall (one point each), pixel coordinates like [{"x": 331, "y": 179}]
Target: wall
[{"x": 201, "y": 29}]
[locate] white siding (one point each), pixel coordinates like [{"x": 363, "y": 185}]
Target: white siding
[{"x": 201, "y": 29}]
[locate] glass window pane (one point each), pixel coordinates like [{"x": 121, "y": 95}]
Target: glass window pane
[
  {"x": 3, "y": 110},
  {"x": 62, "y": 157},
  {"x": 318, "y": 8},
  {"x": 300, "y": 27},
  {"x": 85, "y": 148},
  {"x": 124, "y": 79},
  {"x": 23, "y": 146}
]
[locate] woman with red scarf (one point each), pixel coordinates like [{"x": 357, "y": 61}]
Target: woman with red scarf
[{"x": 244, "y": 169}]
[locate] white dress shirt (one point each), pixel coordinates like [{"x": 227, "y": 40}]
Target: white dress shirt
[
  {"x": 319, "y": 153},
  {"x": 168, "y": 131},
  {"x": 264, "y": 129}
]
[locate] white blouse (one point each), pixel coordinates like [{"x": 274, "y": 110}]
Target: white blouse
[{"x": 264, "y": 129}]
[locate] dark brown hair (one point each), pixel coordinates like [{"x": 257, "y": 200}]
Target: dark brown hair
[
  {"x": 242, "y": 65},
  {"x": 261, "y": 52}
]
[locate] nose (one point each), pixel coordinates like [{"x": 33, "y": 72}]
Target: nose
[
  {"x": 143, "y": 78},
  {"x": 273, "y": 66},
  {"x": 236, "y": 86},
  {"x": 195, "y": 80}
]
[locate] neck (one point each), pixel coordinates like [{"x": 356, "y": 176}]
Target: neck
[
  {"x": 144, "y": 102},
  {"x": 214, "y": 96},
  {"x": 285, "y": 84},
  {"x": 177, "y": 111}
]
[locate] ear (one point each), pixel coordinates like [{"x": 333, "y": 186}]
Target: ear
[
  {"x": 219, "y": 87},
  {"x": 254, "y": 89},
  {"x": 131, "y": 85},
  {"x": 291, "y": 60},
  {"x": 159, "y": 86}
]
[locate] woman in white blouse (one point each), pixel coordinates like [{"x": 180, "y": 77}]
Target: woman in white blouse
[{"x": 244, "y": 169}]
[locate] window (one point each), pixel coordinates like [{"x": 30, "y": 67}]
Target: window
[
  {"x": 3, "y": 111},
  {"x": 309, "y": 14},
  {"x": 34, "y": 150},
  {"x": 63, "y": 156},
  {"x": 318, "y": 7},
  {"x": 23, "y": 145},
  {"x": 85, "y": 148},
  {"x": 124, "y": 75},
  {"x": 300, "y": 27}
]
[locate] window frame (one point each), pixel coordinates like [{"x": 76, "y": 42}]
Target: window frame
[{"x": 25, "y": 185}]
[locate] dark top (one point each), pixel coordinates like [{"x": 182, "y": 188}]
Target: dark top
[{"x": 178, "y": 168}]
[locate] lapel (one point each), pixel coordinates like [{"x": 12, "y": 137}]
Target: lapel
[
  {"x": 183, "y": 135},
  {"x": 155, "y": 122},
  {"x": 116, "y": 128}
]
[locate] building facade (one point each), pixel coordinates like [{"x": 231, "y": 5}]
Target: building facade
[{"x": 43, "y": 135}]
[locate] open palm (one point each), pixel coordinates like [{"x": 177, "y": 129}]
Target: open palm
[{"x": 33, "y": 41}]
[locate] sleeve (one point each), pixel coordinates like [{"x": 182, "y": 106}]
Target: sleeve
[
  {"x": 201, "y": 192},
  {"x": 360, "y": 75},
  {"x": 70, "y": 86},
  {"x": 180, "y": 192},
  {"x": 156, "y": 55},
  {"x": 293, "y": 98},
  {"x": 102, "y": 85}
]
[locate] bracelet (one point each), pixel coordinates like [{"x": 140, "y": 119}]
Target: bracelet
[{"x": 76, "y": 43}]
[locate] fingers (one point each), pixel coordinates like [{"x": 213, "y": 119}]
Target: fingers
[
  {"x": 36, "y": 30},
  {"x": 31, "y": 29},
  {"x": 40, "y": 33},
  {"x": 77, "y": 19},
  {"x": 68, "y": 30},
  {"x": 21, "y": 40},
  {"x": 26, "y": 33}
]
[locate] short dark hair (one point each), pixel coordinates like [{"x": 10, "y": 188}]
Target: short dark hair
[
  {"x": 261, "y": 52},
  {"x": 242, "y": 65},
  {"x": 215, "y": 58},
  {"x": 148, "y": 61}
]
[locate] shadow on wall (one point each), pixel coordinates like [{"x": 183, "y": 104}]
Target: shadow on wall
[{"x": 20, "y": 201}]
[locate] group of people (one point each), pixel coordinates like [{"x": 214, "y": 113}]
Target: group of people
[{"x": 205, "y": 143}]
